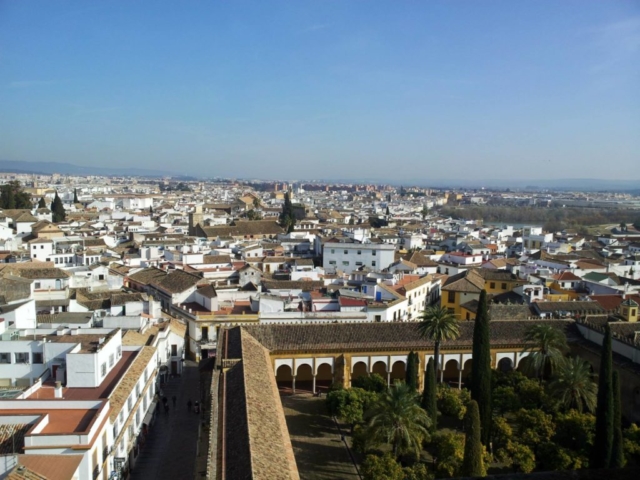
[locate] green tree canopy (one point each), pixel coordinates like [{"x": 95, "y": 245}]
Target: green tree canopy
[
  {"x": 12, "y": 195},
  {"x": 546, "y": 349},
  {"x": 603, "y": 443},
  {"x": 383, "y": 467},
  {"x": 42, "y": 203},
  {"x": 411, "y": 372},
  {"x": 429, "y": 395},
  {"x": 59, "y": 213},
  {"x": 397, "y": 419},
  {"x": 472, "y": 463},
  {"x": 371, "y": 383},
  {"x": 617, "y": 449},
  {"x": 438, "y": 324},
  {"x": 572, "y": 384},
  {"x": 481, "y": 371}
]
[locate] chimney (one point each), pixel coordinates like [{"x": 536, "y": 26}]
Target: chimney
[{"x": 58, "y": 390}]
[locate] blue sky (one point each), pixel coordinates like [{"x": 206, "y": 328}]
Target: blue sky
[{"x": 382, "y": 90}]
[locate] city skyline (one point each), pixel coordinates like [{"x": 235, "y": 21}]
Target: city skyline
[{"x": 387, "y": 92}]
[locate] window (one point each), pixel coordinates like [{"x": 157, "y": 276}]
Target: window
[
  {"x": 100, "y": 277},
  {"x": 174, "y": 350},
  {"x": 5, "y": 358},
  {"x": 633, "y": 312},
  {"x": 359, "y": 252},
  {"x": 492, "y": 285},
  {"x": 129, "y": 404},
  {"x": 333, "y": 250},
  {"x": 115, "y": 431},
  {"x": 22, "y": 357},
  {"x": 138, "y": 417},
  {"x": 103, "y": 369},
  {"x": 504, "y": 286},
  {"x": 137, "y": 390},
  {"x": 37, "y": 284},
  {"x": 345, "y": 252},
  {"x": 37, "y": 357},
  {"x": 332, "y": 262},
  {"x": 358, "y": 263},
  {"x": 373, "y": 252},
  {"x": 378, "y": 318},
  {"x": 112, "y": 359},
  {"x": 345, "y": 263},
  {"x": 373, "y": 263},
  {"x": 451, "y": 297},
  {"x": 119, "y": 352},
  {"x": 121, "y": 416}
]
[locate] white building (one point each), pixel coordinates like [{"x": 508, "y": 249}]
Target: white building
[{"x": 349, "y": 256}]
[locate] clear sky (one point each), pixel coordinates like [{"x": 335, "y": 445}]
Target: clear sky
[{"x": 384, "y": 90}]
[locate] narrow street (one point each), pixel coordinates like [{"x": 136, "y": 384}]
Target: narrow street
[{"x": 170, "y": 450}]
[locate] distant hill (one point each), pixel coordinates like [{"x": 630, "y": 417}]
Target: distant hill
[{"x": 48, "y": 168}]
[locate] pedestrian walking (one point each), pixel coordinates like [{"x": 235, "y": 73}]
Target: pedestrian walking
[
  {"x": 189, "y": 404},
  {"x": 196, "y": 407},
  {"x": 164, "y": 401},
  {"x": 174, "y": 399},
  {"x": 166, "y": 408}
]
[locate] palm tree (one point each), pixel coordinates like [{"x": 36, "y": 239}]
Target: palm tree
[
  {"x": 546, "y": 349},
  {"x": 438, "y": 324},
  {"x": 398, "y": 420},
  {"x": 573, "y": 384}
]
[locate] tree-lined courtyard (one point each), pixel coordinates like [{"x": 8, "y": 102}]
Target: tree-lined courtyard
[{"x": 552, "y": 415}]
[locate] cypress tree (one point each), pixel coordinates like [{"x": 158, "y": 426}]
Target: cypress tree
[
  {"x": 57, "y": 209},
  {"x": 411, "y": 374},
  {"x": 429, "y": 400},
  {"x": 603, "y": 442},
  {"x": 472, "y": 463},
  {"x": 42, "y": 203},
  {"x": 481, "y": 370},
  {"x": 617, "y": 450},
  {"x": 75, "y": 195}
]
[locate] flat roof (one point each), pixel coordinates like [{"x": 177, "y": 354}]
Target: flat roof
[
  {"x": 47, "y": 390},
  {"x": 67, "y": 420}
]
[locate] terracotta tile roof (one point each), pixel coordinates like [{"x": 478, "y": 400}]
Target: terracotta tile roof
[
  {"x": 257, "y": 440},
  {"x": 467, "y": 281},
  {"x": 244, "y": 228},
  {"x": 148, "y": 275},
  {"x": 610, "y": 303},
  {"x": 217, "y": 259},
  {"x": 305, "y": 286},
  {"x": 49, "y": 467},
  {"x": 177, "y": 281},
  {"x": 38, "y": 273},
  {"x": 578, "y": 307},
  {"x": 374, "y": 336},
  {"x": 128, "y": 382}
]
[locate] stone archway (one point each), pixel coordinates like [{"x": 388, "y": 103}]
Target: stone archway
[
  {"x": 451, "y": 372},
  {"x": 284, "y": 378},
  {"x": 324, "y": 376},
  {"x": 505, "y": 365},
  {"x": 466, "y": 370},
  {"x": 398, "y": 371},
  {"x": 304, "y": 378},
  {"x": 380, "y": 368},
  {"x": 359, "y": 369}
]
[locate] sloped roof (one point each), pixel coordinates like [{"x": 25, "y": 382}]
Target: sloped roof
[
  {"x": 177, "y": 281},
  {"x": 382, "y": 336},
  {"x": 257, "y": 443},
  {"x": 48, "y": 467},
  {"x": 467, "y": 281}
]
